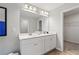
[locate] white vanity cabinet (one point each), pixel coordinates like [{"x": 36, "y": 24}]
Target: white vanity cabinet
[
  {"x": 50, "y": 42},
  {"x": 32, "y": 46},
  {"x": 37, "y": 45},
  {"x": 53, "y": 42},
  {"x": 47, "y": 43}
]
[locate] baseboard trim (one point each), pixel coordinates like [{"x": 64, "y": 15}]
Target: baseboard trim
[{"x": 71, "y": 42}]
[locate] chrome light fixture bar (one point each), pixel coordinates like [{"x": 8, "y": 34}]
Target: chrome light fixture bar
[{"x": 35, "y": 10}]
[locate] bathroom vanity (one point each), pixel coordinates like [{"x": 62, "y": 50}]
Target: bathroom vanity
[
  {"x": 37, "y": 44},
  {"x": 34, "y": 37}
]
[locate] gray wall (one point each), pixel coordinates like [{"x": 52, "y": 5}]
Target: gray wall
[
  {"x": 10, "y": 42},
  {"x": 71, "y": 27}
]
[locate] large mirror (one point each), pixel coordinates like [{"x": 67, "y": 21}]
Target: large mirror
[{"x": 31, "y": 22}]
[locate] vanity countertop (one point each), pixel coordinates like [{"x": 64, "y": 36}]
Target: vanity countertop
[{"x": 27, "y": 36}]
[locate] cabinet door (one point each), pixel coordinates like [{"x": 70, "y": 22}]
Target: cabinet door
[
  {"x": 53, "y": 42},
  {"x": 47, "y": 44},
  {"x": 31, "y": 46},
  {"x": 50, "y": 43}
]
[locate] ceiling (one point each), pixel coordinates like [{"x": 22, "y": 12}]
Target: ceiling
[
  {"x": 76, "y": 10},
  {"x": 47, "y": 6}
]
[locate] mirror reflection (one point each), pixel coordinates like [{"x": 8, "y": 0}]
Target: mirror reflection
[{"x": 32, "y": 22}]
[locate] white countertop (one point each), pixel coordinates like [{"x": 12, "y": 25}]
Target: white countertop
[{"x": 26, "y": 36}]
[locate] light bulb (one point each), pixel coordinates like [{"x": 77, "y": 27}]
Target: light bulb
[
  {"x": 34, "y": 9},
  {"x": 42, "y": 12},
  {"x": 46, "y": 13},
  {"x": 26, "y": 6},
  {"x": 30, "y": 7}
]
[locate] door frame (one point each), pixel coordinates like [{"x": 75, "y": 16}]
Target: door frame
[{"x": 62, "y": 13}]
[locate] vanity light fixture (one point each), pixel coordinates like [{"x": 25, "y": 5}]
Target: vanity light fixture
[
  {"x": 30, "y": 8},
  {"x": 34, "y": 9},
  {"x": 44, "y": 13}
]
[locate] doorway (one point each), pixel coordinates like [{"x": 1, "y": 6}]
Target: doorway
[{"x": 71, "y": 31}]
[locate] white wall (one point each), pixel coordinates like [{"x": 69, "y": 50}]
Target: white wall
[
  {"x": 10, "y": 42},
  {"x": 45, "y": 24},
  {"x": 71, "y": 27},
  {"x": 51, "y": 25},
  {"x": 57, "y": 17}
]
